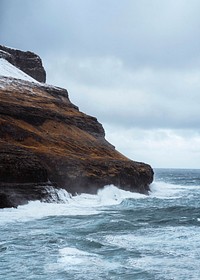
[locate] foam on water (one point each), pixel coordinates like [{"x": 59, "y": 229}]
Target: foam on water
[
  {"x": 37, "y": 210},
  {"x": 161, "y": 246},
  {"x": 83, "y": 204},
  {"x": 83, "y": 262},
  {"x": 159, "y": 241},
  {"x": 112, "y": 195},
  {"x": 169, "y": 191},
  {"x": 73, "y": 257}
]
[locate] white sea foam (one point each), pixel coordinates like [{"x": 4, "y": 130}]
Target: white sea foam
[
  {"x": 166, "y": 190},
  {"x": 111, "y": 195},
  {"x": 83, "y": 204},
  {"x": 165, "y": 242},
  {"x": 86, "y": 263},
  {"x": 38, "y": 210},
  {"x": 164, "y": 251},
  {"x": 73, "y": 257},
  {"x": 156, "y": 252}
]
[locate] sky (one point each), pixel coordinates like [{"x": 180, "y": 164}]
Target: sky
[{"x": 133, "y": 64}]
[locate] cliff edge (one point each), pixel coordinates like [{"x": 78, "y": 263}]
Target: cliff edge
[{"x": 46, "y": 141}]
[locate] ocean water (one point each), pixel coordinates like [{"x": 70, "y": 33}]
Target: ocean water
[{"x": 112, "y": 235}]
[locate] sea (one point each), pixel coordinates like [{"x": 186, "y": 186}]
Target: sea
[{"x": 113, "y": 235}]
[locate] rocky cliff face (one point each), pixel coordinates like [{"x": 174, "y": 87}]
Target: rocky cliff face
[{"x": 45, "y": 140}]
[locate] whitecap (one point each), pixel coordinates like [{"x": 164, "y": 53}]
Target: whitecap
[
  {"x": 63, "y": 204},
  {"x": 166, "y": 190},
  {"x": 73, "y": 256},
  {"x": 111, "y": 195}
]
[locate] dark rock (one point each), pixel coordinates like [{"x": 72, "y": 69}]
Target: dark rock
[
  {"x": 28, "y": 62},
  {"x": 5, "y": 201},
  {"x": 18, "y": 165},
  {"x": 23, "y": 177}
]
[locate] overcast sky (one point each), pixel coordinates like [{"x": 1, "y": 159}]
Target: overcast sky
[{"x": 133, "y": 64}]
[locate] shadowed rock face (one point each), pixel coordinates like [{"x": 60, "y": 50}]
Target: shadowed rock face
[
  {"x": 28, "y": 62},
  {"x": 46, "y": 140}
]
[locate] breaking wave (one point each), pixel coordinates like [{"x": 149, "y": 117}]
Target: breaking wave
[{"x": 63, "y": 203}]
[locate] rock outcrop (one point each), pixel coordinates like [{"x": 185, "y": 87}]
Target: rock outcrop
[
  {"x": 45, "y": 140},
  {"x": 27, "y": 62}
]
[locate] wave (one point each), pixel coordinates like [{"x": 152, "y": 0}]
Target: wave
[
  {"x": 64, "y": 204},
  {"x": 74, "y": 259},
  {"x": 163, "y": 190}
]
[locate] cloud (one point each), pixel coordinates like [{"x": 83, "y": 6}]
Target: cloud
[
  {"x": 147, "y": 33},
  {"x": 146, "y": 97},
  {"x": 160, "y": 147}
]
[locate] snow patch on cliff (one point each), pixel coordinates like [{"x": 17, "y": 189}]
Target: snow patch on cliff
[{"x": 9, "y": 70}]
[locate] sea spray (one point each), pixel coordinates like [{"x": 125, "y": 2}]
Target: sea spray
[
  {"x": 60, "y": 202},
  {"x": 57, "y": 195}
]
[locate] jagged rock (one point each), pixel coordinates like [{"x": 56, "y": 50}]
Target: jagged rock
[
  {"x": 45, "y": 138},
  {"x": 27, "y": 62}
]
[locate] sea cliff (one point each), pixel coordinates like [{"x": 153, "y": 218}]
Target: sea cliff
[{"x": 46, "y": 141}]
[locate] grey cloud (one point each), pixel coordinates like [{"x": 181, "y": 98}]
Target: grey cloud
[
  {"x": 147, "y": 98},
  {"x": 139, "y": 32},
  {"x": 161, "y": 148}
]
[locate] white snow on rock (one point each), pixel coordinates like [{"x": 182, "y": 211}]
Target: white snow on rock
[
  {"x": 9, "y": 70},
  {"x": 11, "y": 76}
]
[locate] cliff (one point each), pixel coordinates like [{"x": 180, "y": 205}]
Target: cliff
[{"x": 45, "y": 140}]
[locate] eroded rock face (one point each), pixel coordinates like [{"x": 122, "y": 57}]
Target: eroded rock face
[
  {"x": 46, "y": 140},
  {"x": 28, "y": 62}
]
